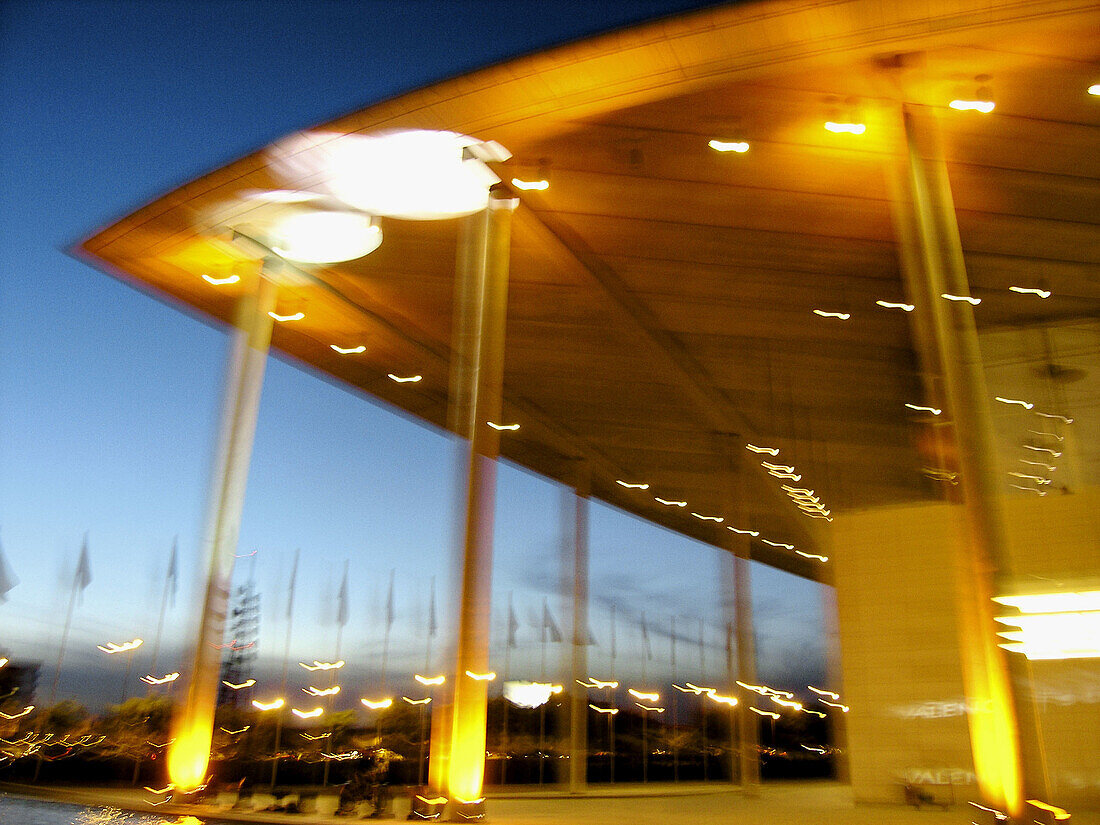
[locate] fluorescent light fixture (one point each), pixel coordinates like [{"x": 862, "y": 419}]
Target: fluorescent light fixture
[
  {"x": 409, "y": 379},
  {"x": 983, "y": 106},
  {"x": 498, "y": 427},
  {"x": 325, "y": 236},
  {"x": 412, "y": 174},
  {"x": 527, "y": 185},
  {"x": 349, "y": 350}
]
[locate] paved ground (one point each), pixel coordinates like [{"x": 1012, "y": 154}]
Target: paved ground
[{"x": 788, "y": 803}]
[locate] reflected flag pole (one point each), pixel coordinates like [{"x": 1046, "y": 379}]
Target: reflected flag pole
[{"x": 81, "y": 579}]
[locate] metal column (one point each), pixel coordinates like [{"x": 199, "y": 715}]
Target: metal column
[
  {"x": 193, "y": 724},
  {"x": 465, "y": 762},
  {"x": 994, "y": 732}
]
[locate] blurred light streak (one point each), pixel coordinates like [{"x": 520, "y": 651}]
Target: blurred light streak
[
  {"x": 972, "y": 301},
  {"x": 241, "y": 686},
  {"x": 1036, "y": 449},
  {"x": 481, "y": 677},
  {"x": 349, "y": 350},
  {"x": 3, "y": 660},
  {"x": 316, "y": 691},
  {"x": 435, "y": 800},
  {"x": 1042, "y": 293},
  {"x": 1077, "y": 601},
  {"x": 806, "y": 555},
  {"x": 786, "y": 703},
  {"x": 821, "y": 692},
  {"x": 430, "y": 680},
  {"x": 639, "y": 694},
  {"x": 843, "y": 316},
  {"x": 229, "y": 279},
  {"x": 778, "y": 544},
  {"x": 412, "y": 379},
  {"x": 843, "y": 708},
  {"x": 782, "y": 468},
  {"x": 112, "y": 648},
  {"x": 723, "y": 700},
  {"x": 593, "y": 682},
  {"x": 1061, "y": 418},
  {"x": 525, "y": 185},
  {"x": 1026, "y": 405},
  {"x": 1000, "y": 816},
  {"x": 234, "y": 732},
  {"x": 772, "y": 451},
  {"x": 307, "y": 714},
  {"x": 274, "y": 704},
  {"x": 323, "y": 665},
  {"x": 1094, "y": 89},
  {"x": 893, "y": 305},
  {"x": 378, "y": 704},
  {"x": 1055, "y": 436},
  {"x": 297, "y": 316},
  {"x": 511, "y": 427},
  {"x": 744, "y": 532},
  {"x": 983, "y": 106},
  {"x": 630, "y": 486},
  {"x": 23, "y": 712},
  {"x": 609, "y": 711},
  {"x": 423, "y": 701},
  {"x": 648, "y": 707},
  {"x": 1028, "y": 489},
  {"x": 715, "y": 519},
  {"x": 769, "y": 713},
  {"x": 738, "y": 146},
  {"x": 1050, "y": 468},
  {"x": 669, "y": 502},
  {"x": 315, "y": 737},
  {"x": 1059, "y": 813},
  {"x": 920, "y": 408},
  {"x": 150, "y": 679},
  {"x": 849, "y": 128}
]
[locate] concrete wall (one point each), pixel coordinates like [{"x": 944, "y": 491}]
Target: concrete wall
[{"x": 899, "y": 641}]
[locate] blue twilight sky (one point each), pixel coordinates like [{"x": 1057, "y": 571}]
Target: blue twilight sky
[{"x": 108, "y": 398}]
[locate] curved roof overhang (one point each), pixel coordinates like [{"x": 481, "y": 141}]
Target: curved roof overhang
[{"x": 661, "y": 296}]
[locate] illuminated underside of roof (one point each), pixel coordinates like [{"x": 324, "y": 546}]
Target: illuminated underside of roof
[{"x": 662, "y": 296}]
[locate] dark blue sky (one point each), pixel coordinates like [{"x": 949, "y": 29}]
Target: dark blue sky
[{"x": 108, "y": 398}]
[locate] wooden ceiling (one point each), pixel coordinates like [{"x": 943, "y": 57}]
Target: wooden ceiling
[{"x": 662, "y": 294}]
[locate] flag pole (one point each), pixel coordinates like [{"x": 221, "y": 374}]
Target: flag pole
[
  {"x": 509, "y": 641},
  {"x": 385, "y": 657},
  {"x": 703, "y": 674},
  {"x": 81, "y": 578},
  {"x": 675, "y": 738},
  {"x": 427, "y": 670},
  {"x": 341, "y": 620},
  {"x": 611, "y": 694},
  {"x": 169, "y": 580},
  {"x": 542, "y": 678},
  {"x": 286, "y": 665}
]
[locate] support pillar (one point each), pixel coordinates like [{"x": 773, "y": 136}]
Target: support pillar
[
  {"x": 458, "y": 772},
  {"x": 193, "y": 724},
  {"x": 994, "y": 731},
  {"x": 575, "y": 557}
]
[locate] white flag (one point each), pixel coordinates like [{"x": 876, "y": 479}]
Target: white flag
[{"x": 8, "y": 579}]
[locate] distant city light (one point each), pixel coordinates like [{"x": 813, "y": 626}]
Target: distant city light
[
  {"x": 274, "y": 704},
  {"x": 430, "y": 680},
  {"x": 738, "y": 146},
  {"x": 377, "y": 704},
  {"x": 241, "y": 686},
  {"x": 307, "y": 714}
]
